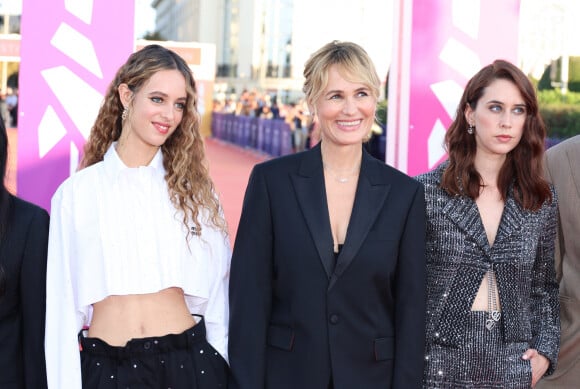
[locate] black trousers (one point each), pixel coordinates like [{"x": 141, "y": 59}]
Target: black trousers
[{"x": 182, "y": 361}]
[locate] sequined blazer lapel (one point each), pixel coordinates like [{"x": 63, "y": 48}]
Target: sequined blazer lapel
[
  {"x": 464, "y": 213},
  {"x": 511, "y": 220}
]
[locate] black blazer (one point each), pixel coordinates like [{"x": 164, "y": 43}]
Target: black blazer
[
  {"x": 296, "y": 320},
  {"x": 22, "y": 308}
]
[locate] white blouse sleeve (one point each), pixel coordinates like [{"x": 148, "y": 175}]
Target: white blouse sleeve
[
  {"x": 63, "y": 318},
  {"x": 217, "y": 312}
]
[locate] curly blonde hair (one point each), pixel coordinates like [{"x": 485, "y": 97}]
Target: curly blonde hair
[{"x": 190, "y": 187}]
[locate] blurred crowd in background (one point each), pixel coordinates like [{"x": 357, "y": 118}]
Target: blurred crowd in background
[
  {"x": 305, "y": 132},
  {"x": 9, "y": 107}
]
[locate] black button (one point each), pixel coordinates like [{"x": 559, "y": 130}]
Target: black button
[
  {"x": 146, "y": 345},
  {"x": 334, "y": 319}
]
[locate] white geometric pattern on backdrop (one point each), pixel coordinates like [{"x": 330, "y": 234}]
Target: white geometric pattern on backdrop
[
  {"x": 50, "y": 131},
  {"x": 79, "y": 99},
  {"x": 81, "y": 9},
  {"x": 461, "y": 58},
  {"x": 77, "y": 47}
]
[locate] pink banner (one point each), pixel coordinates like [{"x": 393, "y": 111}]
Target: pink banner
[
  {"x": 70, "y": 51},
  {"x": 439, "y": 46}
]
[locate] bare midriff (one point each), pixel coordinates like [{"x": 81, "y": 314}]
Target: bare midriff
[
  {"x": 118, "y": 319},
  {"x": 481, "y": 302}
]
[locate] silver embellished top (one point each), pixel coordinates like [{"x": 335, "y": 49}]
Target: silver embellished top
[{"x": 522, "y": 257}]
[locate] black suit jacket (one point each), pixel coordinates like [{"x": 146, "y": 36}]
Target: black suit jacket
[
  {"x": 22, "y": 308},
  {"x": 296, "y": 319}
]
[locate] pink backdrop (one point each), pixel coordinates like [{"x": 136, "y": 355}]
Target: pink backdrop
[
  {"x": 70, "y": 52},
  {"x": 439, "y": 45}
]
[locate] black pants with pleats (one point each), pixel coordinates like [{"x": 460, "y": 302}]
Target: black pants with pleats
[{"x": 176, "y": 361}]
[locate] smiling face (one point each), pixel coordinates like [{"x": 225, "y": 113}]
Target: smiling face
[
  {"x": 499, "y": 118},
  {"x": 345, "y": 110},
  {"x": 154, "y": 112}
]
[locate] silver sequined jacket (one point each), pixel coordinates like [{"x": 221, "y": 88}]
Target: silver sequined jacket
[{"x": 522, "y": 256}]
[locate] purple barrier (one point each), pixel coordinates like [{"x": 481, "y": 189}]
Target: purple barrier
[
  {"x": 285, "y": 138},
  {"x": 253, "y": 143},
  {"x": 218, "y": 126},
  {"x": 237, "y": 131},
  {"x": 275, "y": 146},
  {"x": 272, "y": 137},
  {"x": 245, "y": 133},
  {"x": 267, "y": 145},
  {"x": 232, "y": 129},
  {"x": 227, "y": 130}
]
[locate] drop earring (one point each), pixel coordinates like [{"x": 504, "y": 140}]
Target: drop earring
[
  {"x": 124, "y": 114},
  {"x": 470, "y": 129}
]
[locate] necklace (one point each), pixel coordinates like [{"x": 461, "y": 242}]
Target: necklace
[
  {"x": 342, "y": 177},
  {"x": 494, "y": 313}
]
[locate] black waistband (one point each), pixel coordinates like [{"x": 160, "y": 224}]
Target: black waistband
[{"x": 140, "y": 346}]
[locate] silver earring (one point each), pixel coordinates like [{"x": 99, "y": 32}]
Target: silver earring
[
  {"x": 470, "y": 129},
  {"x": 124, "y": 114}
]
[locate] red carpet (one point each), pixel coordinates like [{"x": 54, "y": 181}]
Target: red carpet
[{"x": 230, "y": 168}]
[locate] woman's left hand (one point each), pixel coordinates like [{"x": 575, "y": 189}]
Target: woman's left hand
[{"x": 538, "y": 362}]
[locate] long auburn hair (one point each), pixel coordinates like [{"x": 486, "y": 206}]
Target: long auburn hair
[
  {"x": 523, "y": 165},
  {"x": 5, "y": 199},
  {"x": 190, "y": 186}
]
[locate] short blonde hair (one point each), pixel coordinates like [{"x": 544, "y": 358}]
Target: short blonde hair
[{"x": 353, "y": 63}]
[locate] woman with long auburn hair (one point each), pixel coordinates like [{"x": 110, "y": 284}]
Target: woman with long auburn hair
[
  {"x": 492, "y": 304},
  {"x": 138, "y": 256}
]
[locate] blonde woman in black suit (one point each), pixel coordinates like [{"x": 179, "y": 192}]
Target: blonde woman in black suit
[{"x": 327, "y": 282}]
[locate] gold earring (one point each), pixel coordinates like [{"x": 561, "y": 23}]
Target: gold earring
[{"x": 124, "y": 114}]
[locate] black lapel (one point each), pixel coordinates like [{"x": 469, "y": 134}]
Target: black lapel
[
  {"x": 311, "y": 194},
  {"x": 371, "y": 192}
]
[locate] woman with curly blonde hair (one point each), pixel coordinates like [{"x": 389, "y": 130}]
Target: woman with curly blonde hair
[{"x": 138, "y": 253}]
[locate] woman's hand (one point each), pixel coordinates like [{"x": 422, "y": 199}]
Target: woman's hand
[{"x": 538, "y": 362}]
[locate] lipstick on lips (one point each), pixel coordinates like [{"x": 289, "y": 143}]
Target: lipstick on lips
[{"x": 162, "y": 128}]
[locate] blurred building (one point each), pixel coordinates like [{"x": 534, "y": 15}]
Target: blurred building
[
  {"x": 548, "y": 31},
  {"x": 263, "y": 44},
  {"x": 10, "y": 24},
  {"x": 10, "y": 12}
]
